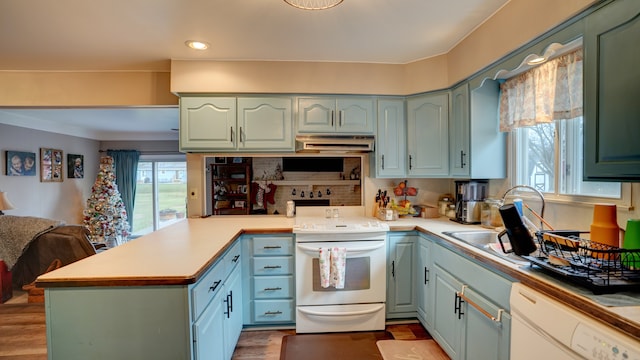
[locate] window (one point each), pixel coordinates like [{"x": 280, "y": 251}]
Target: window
[
  {"x": 549, "y": 158},
  {"x": 161, "y": 193},
  {"x": 542, "y": 108}
]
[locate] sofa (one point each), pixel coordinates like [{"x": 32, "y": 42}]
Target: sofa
[{"x": 30, "y": 245}]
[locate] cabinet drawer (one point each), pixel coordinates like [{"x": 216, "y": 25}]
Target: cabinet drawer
[
  {"x": 271, "y": 311},
  {"x": 272, "y": 246},
  {"x": 205, "y": 289},
  {"x": 269, "y": 287},
  {"x": 279, "y": 265},
  {"x": 232, "y": 258}
]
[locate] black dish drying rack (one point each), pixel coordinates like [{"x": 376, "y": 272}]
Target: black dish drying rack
[{"x": 599, "y": 267}]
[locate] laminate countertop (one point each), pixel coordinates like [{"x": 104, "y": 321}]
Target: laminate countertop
[{"x": 181, "y": 253}]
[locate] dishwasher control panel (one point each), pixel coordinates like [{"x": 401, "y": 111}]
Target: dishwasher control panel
[{"x": 593, "y": 344}]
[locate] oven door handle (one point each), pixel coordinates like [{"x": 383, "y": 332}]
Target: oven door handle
[
  {"x": 341, "y": 313},
  {"x": 349, "y": 250}
]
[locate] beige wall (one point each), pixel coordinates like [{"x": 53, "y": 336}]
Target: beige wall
[{"x": 45, "y": 88}]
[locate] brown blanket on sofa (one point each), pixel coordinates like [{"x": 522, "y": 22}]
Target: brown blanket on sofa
[
  {"x": 68, "y": 243},
  {"x": 17, "y": 232}
]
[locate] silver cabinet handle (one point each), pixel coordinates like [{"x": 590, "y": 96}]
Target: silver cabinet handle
[
  {"x": 410, "y": 160},
  {"x": 273, "y": 312},
  {"x": 382, "y": 161},
  {"x": 341, "y": 118},
  {"x": 232, "y": 134},
  {"x": 273, "y": 267},
  {"x": 273, "y": 289},
  {"x": 272, "y": 247},
  {"x": 462, "y": 155},
  {"x": 235, "y": 258},
  {"x": 332, "y": 117},
  {"x": 241, "y": 138}
]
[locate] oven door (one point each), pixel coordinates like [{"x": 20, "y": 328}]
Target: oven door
[{"x": 365, "y": 273}]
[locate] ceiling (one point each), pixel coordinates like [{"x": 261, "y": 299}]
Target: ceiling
[{"x": 145, "y": 35}]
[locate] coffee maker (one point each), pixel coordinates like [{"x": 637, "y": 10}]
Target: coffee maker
[{"x": 469, "y": 197}]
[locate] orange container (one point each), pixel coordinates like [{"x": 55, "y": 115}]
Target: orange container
[{"x": 604, "y": 228}]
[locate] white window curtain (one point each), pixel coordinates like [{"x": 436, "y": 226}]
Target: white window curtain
[{"x": 551, "y": 91}]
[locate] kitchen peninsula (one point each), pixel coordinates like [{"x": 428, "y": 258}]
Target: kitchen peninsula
[{"x": 135, "y": 301}]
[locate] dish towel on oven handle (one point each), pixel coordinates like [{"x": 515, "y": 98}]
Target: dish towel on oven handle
[
  {"x": 324, "y": 261},
  {"x": 338, "y": 266}
]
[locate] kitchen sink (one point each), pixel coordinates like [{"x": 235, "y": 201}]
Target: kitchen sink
[{"x": 487, "y": 240}]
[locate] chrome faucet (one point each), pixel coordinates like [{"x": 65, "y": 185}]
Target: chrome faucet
[{"x": 535, "y": 191}]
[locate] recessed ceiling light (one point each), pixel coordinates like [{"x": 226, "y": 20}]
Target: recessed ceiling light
[{"x": 197, "y": 45}]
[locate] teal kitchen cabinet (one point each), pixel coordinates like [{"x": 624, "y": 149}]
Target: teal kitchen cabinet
[
  {"x": 401, "y": 274},
  {"x": 428, "y": 135},
  {"x": 478, "y": 149},
  {"x": 611, "y": 92},
  {"x": 148, "y": 322},
  {"x": 330, "y": 115},
  {"x": 269, "y": 287},
  {"x": 424, "y": 287},
  {"x": 459, "y": 131},
  {"x": 471, "y": 317},
  {"x": 390, "y": 157},
  {"x": 236, "y": 124}
]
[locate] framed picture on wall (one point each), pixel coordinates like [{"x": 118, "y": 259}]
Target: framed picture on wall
[
  {"x": 20, "y": 163},
  {"x": 75, "y": 166},
  {"x": 50, "y": 165}
]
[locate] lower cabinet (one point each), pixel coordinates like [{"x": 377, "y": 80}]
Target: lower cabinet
[
  {"x": 424, "y": 284},
  {"x": 269, "y": 285},
  {"x": 462, "y": 304},
  {"x": 401, "y": 275},
  {"x": 194, "y": 322}
]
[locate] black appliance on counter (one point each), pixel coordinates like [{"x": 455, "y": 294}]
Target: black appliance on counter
[{"x": 469, "y": 197}]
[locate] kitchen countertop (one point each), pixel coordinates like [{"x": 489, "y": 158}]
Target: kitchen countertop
[{"x": 179, "y": 254}]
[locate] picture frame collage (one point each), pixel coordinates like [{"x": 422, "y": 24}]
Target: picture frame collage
[{"x": 23, "y": 163}]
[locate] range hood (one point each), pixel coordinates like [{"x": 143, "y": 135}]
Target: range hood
[{"x": 335, "y": 143}]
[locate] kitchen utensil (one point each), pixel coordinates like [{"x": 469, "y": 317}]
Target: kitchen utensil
[
  {"x": 539, "y": 217},
  {"x": 519, "y": 236},
  {"x": 291, "y": 208},
  {"x": 604, "y": 228}
]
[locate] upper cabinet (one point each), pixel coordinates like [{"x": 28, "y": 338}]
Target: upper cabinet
[
  {"x": 428, "y": 135},
  {"x": 391, "y": 146},
  {"x": 236, "y": 124},
  {"x": 612, "y": 90},
  {"x": 459, "y": 131},
  {"x": 347, "y": 115}
]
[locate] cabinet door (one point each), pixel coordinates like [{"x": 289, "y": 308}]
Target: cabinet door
[
  {"x": 355, "y": 116},
  {"x": 447, "y": 323},
  {"x": 391, "y": 152},
  {"x": 612, "y": 90},
  {"x": 265, "y": 123},
  {"x": 208, "y": 123},
  {"x": 401, "y": 298},
  {"x": 208, "y": 342},
  {"x": 233, "y": 313},
  {"x": 459, "y": 131},
  {"x": 316, "y": 115},
  {"x": 428, "y": 135},
  {"x": 485, "y": 338},
  {"x": 424, "y": 288}
]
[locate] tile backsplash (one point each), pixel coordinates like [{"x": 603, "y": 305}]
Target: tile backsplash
[{"x": 309, "y": 185}]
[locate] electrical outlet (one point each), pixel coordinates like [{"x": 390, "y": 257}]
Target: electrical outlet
[{"x": 193, "y": 194}]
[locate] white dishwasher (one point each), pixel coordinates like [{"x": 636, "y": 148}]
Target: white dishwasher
[{"x": 543, "y": 328}]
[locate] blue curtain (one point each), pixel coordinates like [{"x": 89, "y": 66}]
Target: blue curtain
[{"x": 125, "y": 167}]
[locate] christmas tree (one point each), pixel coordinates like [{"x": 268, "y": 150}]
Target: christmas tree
[{"x": 105, "y": 216}]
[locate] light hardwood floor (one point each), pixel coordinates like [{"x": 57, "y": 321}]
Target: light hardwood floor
[{"x": 23, "y": 334}]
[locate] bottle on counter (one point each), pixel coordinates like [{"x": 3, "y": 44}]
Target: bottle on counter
[{"x": 443, "y": 204}]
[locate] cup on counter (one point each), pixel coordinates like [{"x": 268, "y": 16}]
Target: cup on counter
[
  {"x": 631, "y": 241},
  {"x": 604, "y": 228}
]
